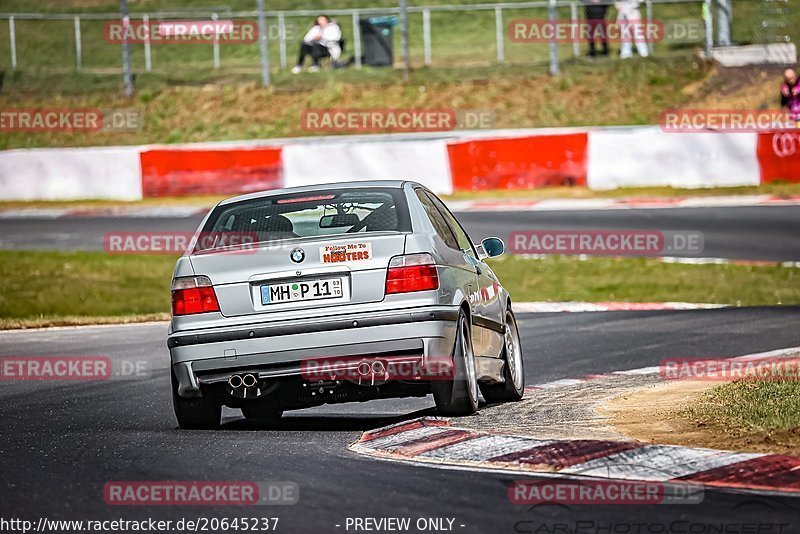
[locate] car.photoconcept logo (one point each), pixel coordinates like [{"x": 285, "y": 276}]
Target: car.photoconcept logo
[{"x": 298, "y": 255}]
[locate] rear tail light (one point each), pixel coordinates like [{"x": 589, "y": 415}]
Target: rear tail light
[
  {"x": 193, "y": 294},
  {"x": 414, "y": 272}
]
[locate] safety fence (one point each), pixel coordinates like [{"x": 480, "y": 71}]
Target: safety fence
[{"x": 439, "y": 35}]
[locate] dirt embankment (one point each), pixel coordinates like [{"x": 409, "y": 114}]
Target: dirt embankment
[{"x": 661, "y": 414}]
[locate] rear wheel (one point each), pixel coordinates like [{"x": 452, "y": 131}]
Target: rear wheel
[
  {"x": 460, "y": 395},
  {"x": 514, "y": 386},
  {"x": 195, "y": 413}
]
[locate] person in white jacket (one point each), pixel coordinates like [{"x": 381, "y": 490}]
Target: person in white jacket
[
  {"x": 324, "y": 39},
  {"x": 629, "y": 21}
]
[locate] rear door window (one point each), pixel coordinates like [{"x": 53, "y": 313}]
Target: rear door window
[
  {"x": 463, "y": 240},
  {"x": 437, "y": 219}
]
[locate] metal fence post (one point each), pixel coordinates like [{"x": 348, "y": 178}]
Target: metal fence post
[
  {"x": 499, "y": 34},
  {"x": 78, "y": 47},
  {"x": 148, "y": 64},
  {"x": 576, "y": 44},
  {"x": 215, "y": 18},
  {"x": 404, "y": 38},
  {"x": 262, "y": 44},
  {"x": 12, "y": 37},
  {"x": 127, "y": 69},
  {"x": 357, "y": 39},
  {"x": 648, "y": 13},
  {"x": 724, "y": 21},
  {"x": 707, "y": 17},
  {"x": 551, "y": 16},
  {"x": 282, "y": 39},
  {"x": 426, "y": 34}
]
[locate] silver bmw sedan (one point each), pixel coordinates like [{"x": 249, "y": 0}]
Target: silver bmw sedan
[{"x": 293, "y": 298}]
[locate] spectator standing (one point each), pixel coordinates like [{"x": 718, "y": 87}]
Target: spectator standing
[
  {"x": 324, "y": 39},
  {"x": 595, "y": 12},
  {"x": 790, "y": 95},
  {"x": 629, "y": 21}
]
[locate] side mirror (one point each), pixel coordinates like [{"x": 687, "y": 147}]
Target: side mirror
[{"x": 493, "y": 246}]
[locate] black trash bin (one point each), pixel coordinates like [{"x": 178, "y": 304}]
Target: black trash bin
[{"x": 376, "y": 36}]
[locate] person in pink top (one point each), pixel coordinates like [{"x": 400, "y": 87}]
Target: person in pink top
[{"x": 790, "y": 95}]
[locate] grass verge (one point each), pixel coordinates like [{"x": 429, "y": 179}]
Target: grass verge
[
  {"x": 176, "y": 111},
  {"x": 646, "y": 280},
  {"x": 758, "y": 415},
  {"x": 752, "y": 406},
  {"x": 68, "y": 288}
]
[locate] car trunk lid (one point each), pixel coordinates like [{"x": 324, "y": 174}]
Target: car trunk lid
[{"x": 305, "y": 273}]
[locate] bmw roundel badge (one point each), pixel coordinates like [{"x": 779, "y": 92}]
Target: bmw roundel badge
[{"x": 298, "y": 255}]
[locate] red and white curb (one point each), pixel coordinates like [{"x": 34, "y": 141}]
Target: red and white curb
[
  {"x": 684, "y": 260},
  {"x": 438, "y": 442},
  {"x": 587, "y": 204},
  {"x": 778, "y": 353},
  {"x": 575, "y": 307}
]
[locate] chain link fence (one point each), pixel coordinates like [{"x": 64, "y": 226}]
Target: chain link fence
[{"x": 439, "y": 35}]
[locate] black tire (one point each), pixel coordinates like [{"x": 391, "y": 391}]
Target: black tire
[
  {"x": 196, "y": 413},
  {"x": 511, "y": 390},
  {"x": 459, "y": 396},
  {"x": 262, "y": 413}
]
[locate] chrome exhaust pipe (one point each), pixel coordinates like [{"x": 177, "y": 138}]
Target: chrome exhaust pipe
[
  {"x": 378, "y": 367},
  {"x": 364, "y": 368},
  {"x": 235, "y": 382},
  {"x": 244, "y": 386},
  {"x": 249, "y": 380}
]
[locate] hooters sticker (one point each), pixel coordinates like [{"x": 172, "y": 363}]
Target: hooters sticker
[{"x": 345, "y": 253}]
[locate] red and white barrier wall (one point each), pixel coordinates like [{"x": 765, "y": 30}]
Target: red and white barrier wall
[
  {"x": 67, "y": 174},
  {"x": 601, "y": 158}
]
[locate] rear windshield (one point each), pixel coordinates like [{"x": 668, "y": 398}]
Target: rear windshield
[{"x": 314, "y": 214}]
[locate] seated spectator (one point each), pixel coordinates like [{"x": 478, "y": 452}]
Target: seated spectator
[
  {"x": 790, "y": 95},
  {"x": 324, "y": 39}
]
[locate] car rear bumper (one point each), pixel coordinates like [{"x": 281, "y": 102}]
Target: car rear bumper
[{"x": 274, "y": 351}]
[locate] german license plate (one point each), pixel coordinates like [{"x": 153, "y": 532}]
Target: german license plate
[{"x": 324, "y": 288}]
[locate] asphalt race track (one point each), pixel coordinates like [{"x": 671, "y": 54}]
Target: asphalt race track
[
  {"x": 62, "y": 441},
  {"x": 744, "y": 233}
]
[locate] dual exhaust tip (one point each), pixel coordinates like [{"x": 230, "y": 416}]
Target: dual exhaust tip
[
  {"x": 374, "y": 368},
  {"x": 245, "y": 381},
  {"x": 366, "y": 368}
]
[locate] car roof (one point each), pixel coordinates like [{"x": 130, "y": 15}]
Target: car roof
[{"x": 368, "y": 184}]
